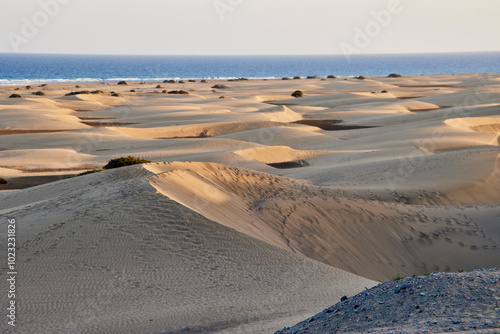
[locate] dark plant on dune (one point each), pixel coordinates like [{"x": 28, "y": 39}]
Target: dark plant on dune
[
  {"x": 360, "y": 77},
  {"x": 3, "y": 181},
  {"x": 178, "y": 92},
  {"x": 394, "y": 75},
  {"x": 297, "y": 78},
  {"x": 85, "y": 92},
  {"x": 28, "y": 87},
  {"x": 132, "y": 90},
  {"x": 39, "y": 93},
  {"x": 384, "y": 91},
  {"x": 312, "y": 77},
  {"x": 122, "y": 82},
  {"x": 14, "y": 96},
  {"x": 159, "y": 86},
  {"x": 286, "y": 78},
  {"x": 182, "y": 81},
  {"x": 219, "y": 86},
  {"x": 297, "y": 93},
  {"x": 124, "y": 161},
  {"x": 169, "y": 81},
  {"x": 191, "y": 80},
  {"x": 115, "y": 94},
  {"x": 331, "y": 77},
  {"x": 204, "y": 81}
]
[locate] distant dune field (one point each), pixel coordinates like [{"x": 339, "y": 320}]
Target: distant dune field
[{"x": 258, "y": 211}]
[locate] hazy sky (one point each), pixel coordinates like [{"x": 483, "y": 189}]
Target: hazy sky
[{"x": 204, "y": 27}]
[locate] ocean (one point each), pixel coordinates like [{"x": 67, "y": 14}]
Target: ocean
[{"x": 20, "y": 69}]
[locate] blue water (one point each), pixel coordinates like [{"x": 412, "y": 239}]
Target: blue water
[{"x": 38, "y": 68}]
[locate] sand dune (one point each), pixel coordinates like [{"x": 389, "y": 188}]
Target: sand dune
[
  {"x": 259, "y": 210},
  {"x": 107, "y": 253}
]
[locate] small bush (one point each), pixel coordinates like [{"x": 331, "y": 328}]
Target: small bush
[
  {"x": 297, "y": 93},
  {"x": 331, "y": 77},
  {"x": 178, "y": 92},
  {"x": 204, "y": 81},
  {"x": 124, "y": 161},
  {"x": 77, "y": 86},
  {"x": 169, "y": 81},
  {"x": 222, "y": 97},
  {"x": 360, "y": 77},
  {"x": 191, "y": 80},
  {"x": 43, "y": 85},
  {"x": 384, "y": 91},
  {"x": 312, "y": 77},
  {"x": 85, "y": 92},
  {"x": 159, "y": 86},
  {"x": 297, "y": 78},
  {"x": 115, "y": 94},
  {"x": 398, "y": 277},
  {"x": 394, "y": 75},
  {"x": 3, "y": 181},
  {"x": 28, "y": 87},
  {"x": 39, "y": 93},
  {"x": 182, "y": 81},
  {"x": 286, "y": 78},
  {"x": 122, "y": 82},
  {"x": 17, "y": 88},
  {"x": 132, "y": 90},
  {"x": 219, "y": 86},
  {"x": 14, "y": 96},
  {"x": 164, "y": 91}
]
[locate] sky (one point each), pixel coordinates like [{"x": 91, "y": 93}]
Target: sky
[{"x": 248, "y": 27}]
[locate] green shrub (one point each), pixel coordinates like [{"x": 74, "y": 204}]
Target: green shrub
[
  {"x": 384, "y": 91},
  {"x": 286, "y": 78},
  {"x": 14, "y": 96},
  {"x": 39, "y": 93},
  {"x": 297, "y": 93},
  {"x": 398, "y": 277},
  {"x": 297, "y": 78},
  {"x": 124, "y": 161},
  {"x": 219, "y": 86},
  {"x": 178, "y": 92},
  {"x": 115, "y": 94},
  {"x": 222, "y": 97},
  {"x": 312, "y": 77},
  {"x": 331, "y": 77},
  {"x": 394, "y": 75},
  {"x": 360, "y": 77},
  {"x": 28, "y": 87},
  {"x": 43, "y": 85},
  {"x": 182, "y": 81},
  {"x": 122, "y": 83},
  {"x": 159, "y": 86},
  {"x": 204, "y": 81}
]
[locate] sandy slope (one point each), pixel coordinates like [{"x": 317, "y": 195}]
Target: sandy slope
[
  {"x": 106, "y": 253},
  {"x": 392, "y": 175}
]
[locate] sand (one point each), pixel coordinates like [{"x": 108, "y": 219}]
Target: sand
[{"x": 259, "y": 209}]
